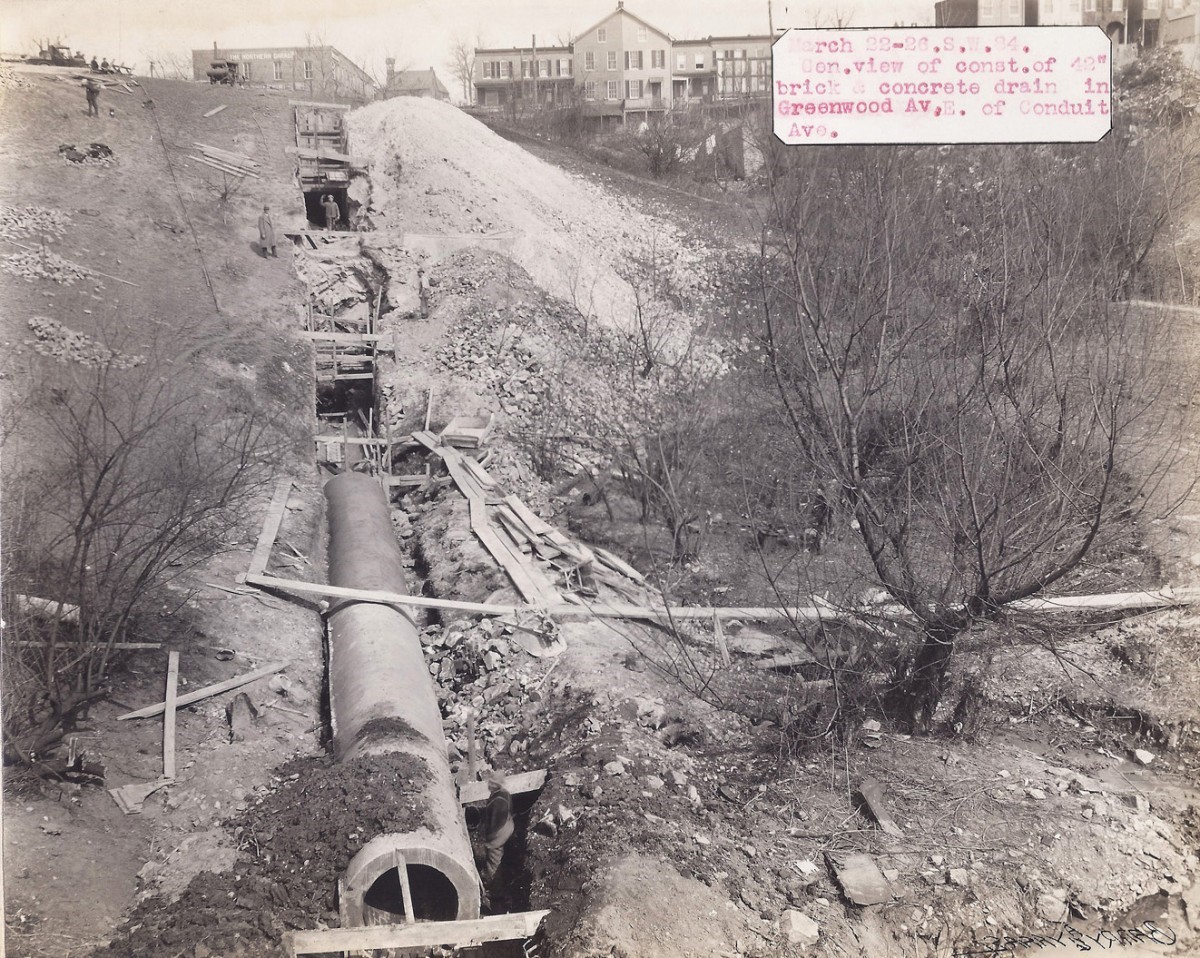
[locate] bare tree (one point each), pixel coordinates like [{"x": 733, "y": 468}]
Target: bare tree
[
  {"x": 144, "y": 477},
  {"x": 462, "y": 65},
  {"x": 946, "y": 346}
]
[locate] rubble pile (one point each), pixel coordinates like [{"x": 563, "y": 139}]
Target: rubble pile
[
  {"x": 471, "y": 664},
  {"x": 42, "y": 264},
  {"x": 55, "y": 340},
  {"x": 10, "y": 80},
  {"x": 18, "y": 220},
  {"x": 337, "y": 289},
  {"x": 95, "y": 154}
]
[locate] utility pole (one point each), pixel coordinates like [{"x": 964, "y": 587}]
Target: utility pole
[
  {"x": 770, "y": 21},
  {"x": 534, "y": 67}
]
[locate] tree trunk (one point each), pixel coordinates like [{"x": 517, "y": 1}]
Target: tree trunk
[{"x": 919, "y": 690}]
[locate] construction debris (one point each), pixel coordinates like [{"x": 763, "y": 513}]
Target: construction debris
[
  {"x": 872, "y": 796},
  {"x": 227, "y": 162},
  {"x": 96, "y": 154}
]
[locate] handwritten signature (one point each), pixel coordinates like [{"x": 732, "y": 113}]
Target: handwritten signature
[{"x": 1005, "y": 946}]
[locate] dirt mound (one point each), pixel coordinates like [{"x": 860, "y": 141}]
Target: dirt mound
[
  {"x": 292, "y": 846},
  {"x": 437, "y": 170}
]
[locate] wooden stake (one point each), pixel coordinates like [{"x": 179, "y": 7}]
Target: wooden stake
[
  {"x": 169, "y": 715},
  {"x": 719, "y": 633},
  {"x": 472, "y": 760}
]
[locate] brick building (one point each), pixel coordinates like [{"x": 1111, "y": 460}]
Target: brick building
[{"x": 320, "y": 73}]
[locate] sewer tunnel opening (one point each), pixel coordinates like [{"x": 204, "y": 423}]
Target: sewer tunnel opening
[
  {"x": 316, "y": 213},
  {"x": 434, "y": 897}
]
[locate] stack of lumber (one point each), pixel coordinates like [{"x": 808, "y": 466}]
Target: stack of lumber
[
  {"x": 536, "y": 556},
  {"x": 227, "y": 162}
]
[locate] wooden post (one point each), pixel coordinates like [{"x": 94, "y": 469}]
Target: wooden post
[
  {"x": 169, "y": 715},
  {"x": 405, "y": 890},
  {"x": 719, "y": 633},
  {"x": 472, "y": 760}
]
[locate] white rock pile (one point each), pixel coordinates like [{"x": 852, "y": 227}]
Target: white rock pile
[
  {"x": 20, "y": 220},
  {"x": 55, "y": 340},
  {"x": 42, "y": 264}
]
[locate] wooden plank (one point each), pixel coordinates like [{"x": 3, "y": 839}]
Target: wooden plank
[
  {"x": 537, "y": 525},
  {"x": 472, "y": 752},
  {"x": 271, "y": 523},
  {"x": 516, "y": 569},
  {"x": 351, "y": 441},
  {"x": 326, "y": 154},
  {"x": 224, "y": 168},
  {"x": 169, "y": 715},
  {"x": 382, "y": 597},
  {"x": 228, "y": 156},
  {"x": 207, "y": 691},
  {"x": 363, "y": 339},
  {"x": 872, "y": 796},
  {"x": 478, "y": 473},
  {"x": 118, "y": 646},
  {"x": 616, "y": 562},
  {"x": 215, "y": 110},
  {"x": 474, "y": 791},
  {"x": 422, "y": 934}
]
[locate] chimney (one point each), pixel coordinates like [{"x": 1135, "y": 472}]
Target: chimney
[
  {"x": 620, "y": 4},
  {"x": 391, "y": 69}
]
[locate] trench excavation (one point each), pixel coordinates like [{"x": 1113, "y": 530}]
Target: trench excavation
[{"x": 382, "y": 699}]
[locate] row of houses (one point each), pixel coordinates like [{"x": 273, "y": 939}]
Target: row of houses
[
  {"x": 620, "y": 67},
  {"x": 318, "y": 72},
  {"x": 1147, "y": 23}
]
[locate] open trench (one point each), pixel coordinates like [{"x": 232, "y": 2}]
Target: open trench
[{"x": 380, "y": 694}]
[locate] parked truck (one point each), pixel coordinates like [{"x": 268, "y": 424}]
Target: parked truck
[
  {"x": 58, "y": 55},
  {"x": 223, "y": 71}
]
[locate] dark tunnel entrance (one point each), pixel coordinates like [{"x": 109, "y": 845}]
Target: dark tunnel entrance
[
  {"x": 316, "y": 212},
  {"x": 434, "y": 897}
]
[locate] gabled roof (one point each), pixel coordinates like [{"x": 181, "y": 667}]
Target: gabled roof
[
  {"x": 633, "y": 16},
  {"x": 416, "y": 81}
]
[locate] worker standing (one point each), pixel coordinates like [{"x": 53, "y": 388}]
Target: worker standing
[
  {"x": 92, "y": 91},
  {"x": 495, "y": 827},
  {"x": 266, "y": 233},
  {"x": 332, "y": 213},
  {"x": 423, "y": 291}
]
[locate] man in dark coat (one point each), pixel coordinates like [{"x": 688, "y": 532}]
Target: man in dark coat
[
  {"x": 332, "y": 213},
  {"x": 266, "y": 233},
  {"x": 92, "y": 89},
  {"x": 496, "y": 825}
]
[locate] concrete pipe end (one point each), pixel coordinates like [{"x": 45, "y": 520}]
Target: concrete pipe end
[{"x": 439, "y": 888}]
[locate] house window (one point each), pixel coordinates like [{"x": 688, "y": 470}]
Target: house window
[
  {"x": 699, "y": 61},
  {"x": 634, "y": 60},
  {"x": 1152, "y": 6},
  {"x": 612, "y": 59},
  {"x": 658, "y": 59},
  {"x": 589, "y": 89},
  {"x": 1117, "y": 6},
  {"x": 589, "y": 60},
  {"x": 244, "y": 70},
  {"x": 633, "y": 89},
  {"x": 642, "y": 35},
  {"x": 986, "y": 8},
  {"x": 506, "y": 68},
  {"x": 277, "y": 70},
  {"x": 681, "y": 61},
  {"x": 564, "y": 68},
  {"x": 602, "y": 35},
  {"x": 308, "y": 69},
  {"x": 613, "y": 91}
]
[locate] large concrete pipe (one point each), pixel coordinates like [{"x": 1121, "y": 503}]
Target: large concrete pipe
[{"x": 382, "y": 701}]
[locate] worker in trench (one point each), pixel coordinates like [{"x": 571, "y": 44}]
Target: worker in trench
[
  {"x": 494, "y": 830},
  {"x": 332, "y": 213}
]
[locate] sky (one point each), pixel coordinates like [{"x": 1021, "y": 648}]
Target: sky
[{"x": 417, "y": 33}]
